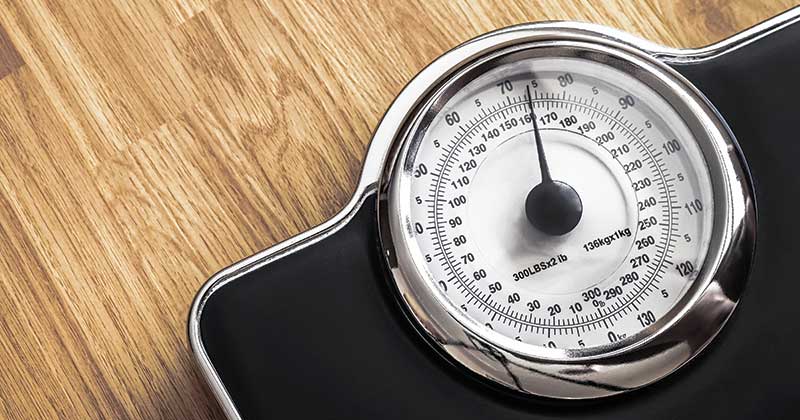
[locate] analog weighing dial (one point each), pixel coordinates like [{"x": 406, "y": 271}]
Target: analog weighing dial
[{"x": 557, "y": 201}]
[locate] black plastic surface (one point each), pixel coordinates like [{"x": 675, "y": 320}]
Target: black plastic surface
[{"x": 318, "y": 334}]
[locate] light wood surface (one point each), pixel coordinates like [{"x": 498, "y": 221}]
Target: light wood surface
[{"x": 147, "y": 144}]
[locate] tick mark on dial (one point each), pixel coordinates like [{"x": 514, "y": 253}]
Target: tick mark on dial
[{"x": 552, "y": 207}]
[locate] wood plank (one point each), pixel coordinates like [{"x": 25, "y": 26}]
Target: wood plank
[
  {"x": 147, "y": 144},
  {"x": 10, "y": 59}
]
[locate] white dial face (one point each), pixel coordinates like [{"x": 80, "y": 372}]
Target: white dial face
[{"x": 591, "y": 272}]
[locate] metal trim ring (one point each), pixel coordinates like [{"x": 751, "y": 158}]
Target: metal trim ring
[{"x": 632, "y": 362}]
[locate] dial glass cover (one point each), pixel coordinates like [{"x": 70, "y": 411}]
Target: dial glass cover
[{"x": 642, "y": 181}]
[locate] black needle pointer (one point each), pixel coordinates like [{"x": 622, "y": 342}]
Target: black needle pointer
[{"x": 552, "y": 207}]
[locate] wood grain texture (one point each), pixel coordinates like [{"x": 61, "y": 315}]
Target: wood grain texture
[{"x": 146, "y": 144}]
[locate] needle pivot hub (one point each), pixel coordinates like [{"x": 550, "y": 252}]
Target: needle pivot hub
[{"x": 554, "y": 208}]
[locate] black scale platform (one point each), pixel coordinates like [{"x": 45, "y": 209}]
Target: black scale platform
[{"x": 319, "y": 335}]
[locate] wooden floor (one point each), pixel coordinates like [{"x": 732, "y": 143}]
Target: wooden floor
[{"x": 147, "y": 144}]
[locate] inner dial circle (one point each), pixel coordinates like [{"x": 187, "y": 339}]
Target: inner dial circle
[
  {"x": 507, "y": 239},
  {"x": 643, "y": 182}
]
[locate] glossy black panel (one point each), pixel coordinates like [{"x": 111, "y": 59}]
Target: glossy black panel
[{"x": 318, "y": 334}]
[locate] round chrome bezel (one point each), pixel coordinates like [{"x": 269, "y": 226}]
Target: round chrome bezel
[{"x": 628, "y": 364}]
